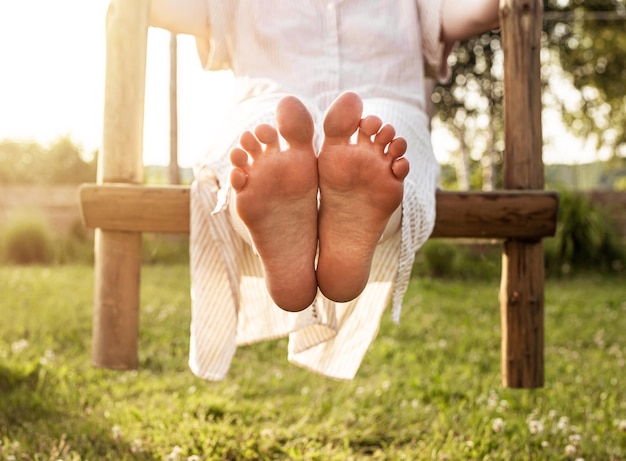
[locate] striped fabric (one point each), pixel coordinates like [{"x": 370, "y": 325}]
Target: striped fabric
[{"x": 315, "y": 49}]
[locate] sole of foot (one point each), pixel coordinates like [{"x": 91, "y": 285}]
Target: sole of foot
[
  {"x": 361, "y": 185},
  {"x": 276, "y": 198}
]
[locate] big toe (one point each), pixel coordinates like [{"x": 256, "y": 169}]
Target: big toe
[
  {"x": 294, "y": 122},
  {"x": 343, "y": 117}
]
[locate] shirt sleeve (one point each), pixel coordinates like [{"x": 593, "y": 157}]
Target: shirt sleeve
[
  {"x": 214, "y": 52},
  {"x": 435, "y": 51}
]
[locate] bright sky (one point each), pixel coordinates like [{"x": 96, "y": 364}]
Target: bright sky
[
  {"x": 52, "y": 84},
  {"x": 52, "y": 80}
]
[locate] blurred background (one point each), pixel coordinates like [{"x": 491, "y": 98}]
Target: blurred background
[{"x": 52, "y": 91}]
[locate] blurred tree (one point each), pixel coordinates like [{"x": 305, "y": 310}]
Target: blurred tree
[
  {"x": 589, "y": 40},
  {"x": 584, "y": 45},
  {"x": 31, "y": 163},
  {"x": 18, "y": 161},
  {"x": 65, "y": 164},
  {"x": 470, "y": 105}
]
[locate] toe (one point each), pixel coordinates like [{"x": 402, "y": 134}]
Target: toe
[
  {"x": 238, "y": 157},
  {"x": 267, "y": 135},
  {"x": 385, "y": 136},
  {"x": 343, "y": 118},
  {"x": 397, "y": 147},
  {"x": 294, "y": 122},
  {"x": 368, "y": 127},
  {"x": 400, "y": 168},
  {"x": 238, "y": 178},
  {"x": 250, "y": 144}
]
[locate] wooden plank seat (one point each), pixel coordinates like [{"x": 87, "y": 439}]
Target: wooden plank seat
[{"x": 503, "y": 214}]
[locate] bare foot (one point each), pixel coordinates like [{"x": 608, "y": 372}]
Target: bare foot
[
  {"x": 361, "y": 185},
  {"x": 276, "y": 197}
]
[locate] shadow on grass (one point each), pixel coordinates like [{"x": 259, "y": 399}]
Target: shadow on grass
[
  {"x": 13, "y": 377},
  {"x": 38, "y": 422}
]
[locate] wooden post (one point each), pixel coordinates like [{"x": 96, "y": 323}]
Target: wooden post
[
  {"x": 118, "y": 254},
  {"x": 522, "y": 286},
  {"x": 174, "y": 170}
]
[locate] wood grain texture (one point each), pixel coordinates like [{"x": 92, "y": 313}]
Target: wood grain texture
[
  {"x": 522, "y": 284},
  {"x": 503, "y": 214},
  {"x": 522, "y": 314},
  {"x": 118, "y": 254}
]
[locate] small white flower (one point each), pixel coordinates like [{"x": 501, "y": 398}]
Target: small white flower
[
  {"x": 48, "y": 357},
  {"x": 574, "y": 439},
  {"x": 136, "y": 446},
  {"x": 563, "y": 423},
  {"x": 497, "y": 425},
  {"x": 19, "y": 346},
  {"x": 545, "y": 444},
  {"x": 622, "y": 425},
  {"x": 492, "y": 400},
  {"x": 535, "y": 426},
  {"x": 386, "y": 385},
  {"x": 570, "y": 450},
  {"x": 173, "y": 456},
  {"x": 116, "y": 432}
]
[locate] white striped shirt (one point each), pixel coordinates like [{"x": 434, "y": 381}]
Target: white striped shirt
[{"x": 313, "y": 49}]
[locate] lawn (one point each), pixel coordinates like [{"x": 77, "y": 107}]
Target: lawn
[{"x": 428, "y": 389}]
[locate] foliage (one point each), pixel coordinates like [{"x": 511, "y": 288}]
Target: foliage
[
  {"x": 581, "y": 53},
  {"x": 585, "y": 238},
  {"x": 427, "y": 389},
  {"x": 30, "y": 163},
  {"x": 470, "y": 103},
  {"x": 441, "y": 258},
  {"x": 73, "y": 249},
  {"x": 26, "y": 239},
  {"x": 165, "y": 249},
  {"x": 588, "y": 39}
]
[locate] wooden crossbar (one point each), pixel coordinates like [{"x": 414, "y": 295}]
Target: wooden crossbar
[{"x": 165, "y": 209}]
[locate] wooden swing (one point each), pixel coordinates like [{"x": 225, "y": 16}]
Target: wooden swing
[{"x": 120, "y": 208}]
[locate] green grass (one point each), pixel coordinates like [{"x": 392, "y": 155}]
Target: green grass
[{"x": 428, "y": 389}]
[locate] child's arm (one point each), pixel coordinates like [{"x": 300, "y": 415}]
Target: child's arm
[
  {"x": 462, "y": 19},
  {"x": 181, "y": 16}
]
